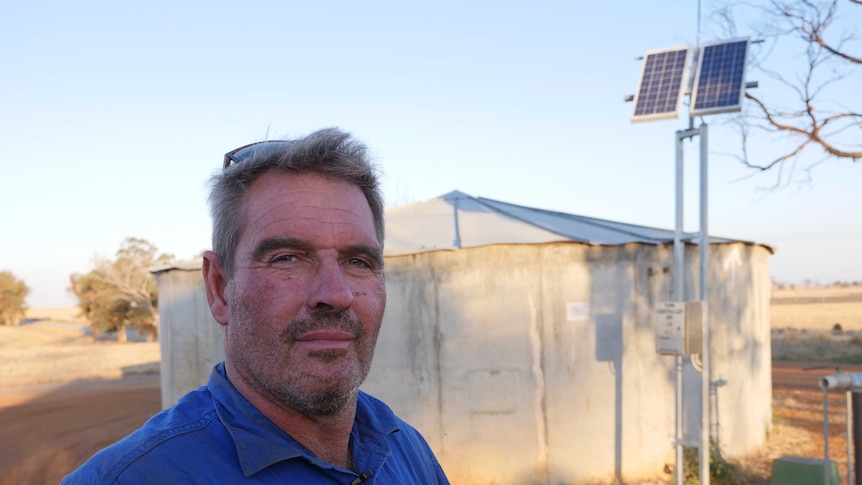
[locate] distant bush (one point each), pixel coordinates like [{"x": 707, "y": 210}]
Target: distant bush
[
  {"x": 817, "y": 346},
  {"x": 122, "y": 292},
  {"x": 13, "y": 292}
]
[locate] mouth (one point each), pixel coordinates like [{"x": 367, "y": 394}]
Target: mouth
[{"x": 330, "y": 339}]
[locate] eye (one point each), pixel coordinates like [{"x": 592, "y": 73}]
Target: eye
[
  {"x": 359, "y": 262},
  {"x": 284, "y": 258}
]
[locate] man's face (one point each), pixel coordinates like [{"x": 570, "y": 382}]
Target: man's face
[{"x": 307, "y": 296}]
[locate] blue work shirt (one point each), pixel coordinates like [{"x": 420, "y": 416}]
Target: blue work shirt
[{"x": 214, "y": 435}]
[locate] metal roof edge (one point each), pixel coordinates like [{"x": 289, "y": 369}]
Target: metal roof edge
[
  {"x": 187, "y": 265},
  {"x": 688, "y": 237},
  {"x": 485, "y": 203},
  {"x": 688, "y": 242}
]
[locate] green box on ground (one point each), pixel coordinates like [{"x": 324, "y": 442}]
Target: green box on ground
[{"x": 800, "y": 470}]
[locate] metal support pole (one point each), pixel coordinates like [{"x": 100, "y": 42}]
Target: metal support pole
[
  {"x": 857, "y": 435},
  {"x": 679, "y": 289},
  {"x": 704, "y": 297},
  {"x": 826, "y": 467},
  {"x": 848, "y": 422}
]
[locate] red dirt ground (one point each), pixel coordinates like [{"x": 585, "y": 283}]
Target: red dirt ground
[{"x": 48, "y": 430}]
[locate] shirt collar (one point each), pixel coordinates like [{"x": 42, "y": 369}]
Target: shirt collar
[
  {"x": 260, "y": 443},
  {"x": 374, "y": 421}
]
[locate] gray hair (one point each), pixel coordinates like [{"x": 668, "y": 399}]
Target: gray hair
[{"x": 329, "y": 152}]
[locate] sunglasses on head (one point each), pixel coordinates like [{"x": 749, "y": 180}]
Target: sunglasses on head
[{"x": 243, "y": 153}]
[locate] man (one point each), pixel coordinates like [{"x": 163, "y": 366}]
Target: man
[{"x": 296, "y": 280}]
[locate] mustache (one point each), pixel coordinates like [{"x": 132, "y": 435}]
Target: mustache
[{"x": 322, "y": 321}]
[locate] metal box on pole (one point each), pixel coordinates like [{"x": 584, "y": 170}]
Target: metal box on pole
[{"x": 679, "y": 327}]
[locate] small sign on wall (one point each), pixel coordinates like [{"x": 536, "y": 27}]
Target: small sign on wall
[
  {"x": 679, "y": 327},
  {"x": 669, "y": 323},
  {"x": 577, "y": 311}
]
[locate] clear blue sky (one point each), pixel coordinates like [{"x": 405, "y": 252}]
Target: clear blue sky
[{"x": 114, "y": 114}]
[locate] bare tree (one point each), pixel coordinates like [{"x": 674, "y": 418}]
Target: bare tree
[
  {"x": 122, "y": 293},
  {"x": 818, "y": 47}
]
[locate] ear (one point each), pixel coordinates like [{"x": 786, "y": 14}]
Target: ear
[{"x": 215, "y": 283}]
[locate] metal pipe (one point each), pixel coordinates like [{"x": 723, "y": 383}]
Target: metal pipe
[
  {"x": 840, "y": 381},
  {"x": 679, "y": 289},
  {"x": 457, "y": 241},
  {"x": 857, "y": 435},
  {"x": 679, "y": 295},
  {"x": 848, "y": 420},
  {"x": 826, "y": 466},
  {"x": 704, "y": 297},
  {"x": 850, "y": 383}
]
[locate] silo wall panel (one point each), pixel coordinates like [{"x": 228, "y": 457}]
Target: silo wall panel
[
  {"x": 610, "y": 396},
  {"x": 406, "y": 370},
  {"x": 489, "y": 361},
  {"x": 742, "y": 355},
  {"x": 191, "y": 341}
]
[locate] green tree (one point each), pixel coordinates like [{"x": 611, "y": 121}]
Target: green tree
[
  {"x": 121, "y": 294},
  {"x": 13, "y": 292}
]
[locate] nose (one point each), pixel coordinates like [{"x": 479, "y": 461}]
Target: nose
[{"x": 330, "y": 290}]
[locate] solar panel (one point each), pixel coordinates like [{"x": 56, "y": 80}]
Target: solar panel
[
  {"x": 659, "y": 93},
  {"x": 720, "y": 77}
]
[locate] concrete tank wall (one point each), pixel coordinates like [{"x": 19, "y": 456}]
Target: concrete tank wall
[
  {"x": 536, "y": 364},
  {"x": 192, "y": 342}
]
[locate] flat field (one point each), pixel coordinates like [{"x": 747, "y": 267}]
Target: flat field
[
  {"x": 817, "y": 324},
  {"x": 817, "y": 308}
]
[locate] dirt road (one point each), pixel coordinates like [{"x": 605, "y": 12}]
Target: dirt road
[{"x": 48, "y": 430}]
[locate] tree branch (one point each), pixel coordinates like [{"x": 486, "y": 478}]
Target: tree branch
[{"x": 825, "y": 59}]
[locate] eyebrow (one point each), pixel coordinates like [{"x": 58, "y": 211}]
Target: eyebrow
[
  {"x": 370, "y": 251},
  {"x": 275, "y": 243}
]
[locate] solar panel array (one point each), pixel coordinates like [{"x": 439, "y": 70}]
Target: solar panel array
[
  {"x": 720, "y": 79},
  {"x": 659, "y": 93}
]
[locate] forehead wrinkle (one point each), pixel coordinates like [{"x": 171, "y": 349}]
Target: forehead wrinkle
[
  {"x": 268, "y": 198},
  {"x": 327, "y": 222},
  {"x": 335, "y": 223},
  {"x": 294, "y": 206}
]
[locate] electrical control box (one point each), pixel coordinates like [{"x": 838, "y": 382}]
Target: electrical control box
[{"x": 679, "y": 327}]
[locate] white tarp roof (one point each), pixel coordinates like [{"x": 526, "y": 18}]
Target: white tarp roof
[{"x": 457, "y": 220}]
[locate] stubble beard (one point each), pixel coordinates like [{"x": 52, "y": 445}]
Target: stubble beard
[
  {"x": 334, "y": 393},
  {"x": 299, "y": 390}
]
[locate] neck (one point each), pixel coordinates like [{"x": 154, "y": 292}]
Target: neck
[{"x": 327, "y": 437}]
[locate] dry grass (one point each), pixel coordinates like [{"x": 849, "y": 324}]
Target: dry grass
[
  {"x": 41, "y": 354},
  {"x": 56, "y": 314},
  {"x": 817, "y": 346},
  {"x": 817, "y": 324},
  {"x": 817, "y": 308},
  {"x": 817, "y": 293}
]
